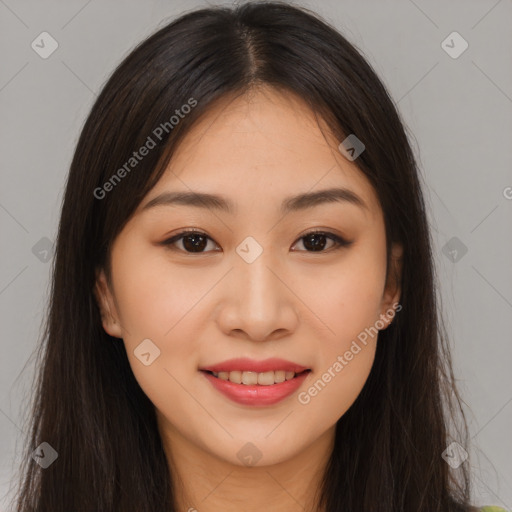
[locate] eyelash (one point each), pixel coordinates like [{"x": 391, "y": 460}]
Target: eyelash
[{"x": 340, "y": 242}]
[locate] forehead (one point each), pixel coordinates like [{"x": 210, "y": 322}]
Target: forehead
[{"x": 258, "y": 149}]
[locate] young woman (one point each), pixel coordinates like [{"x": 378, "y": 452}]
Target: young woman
[{"x": 243, "y": 309}]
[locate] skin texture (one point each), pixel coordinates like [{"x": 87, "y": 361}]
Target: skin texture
[{"x": 291, "y": 302}]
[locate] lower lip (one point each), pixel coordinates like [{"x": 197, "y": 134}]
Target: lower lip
[{"x": 256, "y": 394}]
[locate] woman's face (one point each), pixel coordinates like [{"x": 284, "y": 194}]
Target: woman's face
[{"x": 254, "y": 286}]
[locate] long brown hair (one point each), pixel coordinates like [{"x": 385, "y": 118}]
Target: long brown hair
[{"x": 87, "y": 404}]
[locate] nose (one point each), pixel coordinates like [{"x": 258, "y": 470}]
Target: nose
[{"x": 257, "y": 301}]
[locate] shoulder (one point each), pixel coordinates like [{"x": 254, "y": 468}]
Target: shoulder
[{"x": 492, "y": 509}]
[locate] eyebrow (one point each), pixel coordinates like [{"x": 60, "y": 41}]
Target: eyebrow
[{"x": 291, "y": 204}]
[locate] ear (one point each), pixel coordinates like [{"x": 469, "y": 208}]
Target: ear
[
  {"x": 393, "y": 288},
  {"x": 105, "y": 301}
]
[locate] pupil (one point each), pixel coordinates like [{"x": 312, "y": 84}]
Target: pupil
[
  {"x": 198, "y": 244},
  {"x": 316, "y": 245}
]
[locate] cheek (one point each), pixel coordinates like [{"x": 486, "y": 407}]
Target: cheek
[
  {"x": 351, "y": 305},
  {"x": 153, "y": 296},
  {"x": 158, "y": 304},
  {"x": 335, "y": 387},
  {"x": 346, "y": 298},
  {"x": 345, "y": 358}
]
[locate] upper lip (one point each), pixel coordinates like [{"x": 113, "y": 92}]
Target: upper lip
[{"x": 252, "y": 365}]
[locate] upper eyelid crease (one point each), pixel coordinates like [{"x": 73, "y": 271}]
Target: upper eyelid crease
[{"x": 291, "y": 204}]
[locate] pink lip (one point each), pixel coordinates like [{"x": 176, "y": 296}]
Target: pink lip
[
  {"x": 251, "y": 365},
  {"x": 257, "y": 394}
]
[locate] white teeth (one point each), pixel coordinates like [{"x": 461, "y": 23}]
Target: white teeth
[{"x": 252, "y": 378}]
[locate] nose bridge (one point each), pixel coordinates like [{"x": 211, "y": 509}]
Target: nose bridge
[
  {"x": 257, "y": 286},
  {"x": 259, "y": 303}
]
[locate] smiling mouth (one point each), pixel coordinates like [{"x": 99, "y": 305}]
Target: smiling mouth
[{"x": 255, "y": 378}]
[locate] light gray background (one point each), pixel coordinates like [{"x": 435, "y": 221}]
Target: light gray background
[{"x": 459, "y": 110}]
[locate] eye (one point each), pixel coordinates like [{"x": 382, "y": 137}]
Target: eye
[
  {"x": 316, "y": 241},
  {"x": 196, "y": 241},
  {"x": 193, "y": 241}
]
